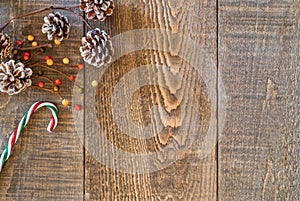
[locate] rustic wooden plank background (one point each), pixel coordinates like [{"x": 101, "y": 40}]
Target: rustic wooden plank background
[
  {"x": 255, "y": 45},
  {"x": 258, "y": 59},
  {"x": 45, "y": 166},
  {"x": 189, "y": 178}
]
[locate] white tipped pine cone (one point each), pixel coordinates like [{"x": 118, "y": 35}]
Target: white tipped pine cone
[
  {"x": 14, "y": 77},
  {"x": 5, "y": 46},
  {"x": 97, "y": 9},
  {"x": 97, "y": 48},
  {"x": 56, "y": 26}
]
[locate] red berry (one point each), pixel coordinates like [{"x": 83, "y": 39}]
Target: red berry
[
  {"x": 41, "y": 84},
  {"x": 47, "y": 57},
  {"x": 26, "y": 58},
  {"x": 80, "y": 66},
  {"x": 58, "y": 82},
  {"x": 78, "y": 107},
  {"x": 27, "y": 54},
  {"x": 72, "y": 77},
  {"x": 19, "y": 42}
]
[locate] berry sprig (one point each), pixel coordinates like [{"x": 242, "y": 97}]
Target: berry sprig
[
  {"x": 51, "y": 8},
  {"x": 28, "y": 54},
  {"x": 19, "y": 65},
  {"x": 96, "y": 46}
]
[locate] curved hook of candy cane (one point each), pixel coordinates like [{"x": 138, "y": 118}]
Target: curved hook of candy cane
[
  {"x": 54, "y": 120},
  {"x": 24, "y": 121}
]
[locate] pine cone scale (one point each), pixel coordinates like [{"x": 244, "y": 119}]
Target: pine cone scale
[
  {"x": 56, "y": 26},
  {"x": 5, "y": 46},
  {"x": 96, "y": 48},
  {"x": 14, "y": 77},
  {"x": 97, "y": 9}
]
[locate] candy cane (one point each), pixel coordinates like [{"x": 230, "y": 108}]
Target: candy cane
[{"x": 15, "y": 134}]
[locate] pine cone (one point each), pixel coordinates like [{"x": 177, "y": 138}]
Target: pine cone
[
  {"x": 97, "y": 48},
  {"x": 14, "y": 77},
  {"x": 56, "y": 26},
  {"x": 97, "y": 9},
  {"x": 5, "y": 46}
]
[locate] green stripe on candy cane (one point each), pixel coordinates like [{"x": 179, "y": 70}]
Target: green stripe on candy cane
[{"x": 16, "y": 133}]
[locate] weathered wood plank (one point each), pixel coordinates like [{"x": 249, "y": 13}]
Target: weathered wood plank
[
  {"x": 258, "y": 60},
  {"x": 43, "y": 166},
  {"x": 190, "y": 177},
  {"x": 258, "y": 147}
]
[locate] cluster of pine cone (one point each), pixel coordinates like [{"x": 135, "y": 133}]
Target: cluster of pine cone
[
  {"x": 14, "y": 77},
  {"x": 56, "y": 26},
  {"x": 97, "y": 9},
  {"x": 5, "y": 46},
  {"x": 96, "y": 49}
]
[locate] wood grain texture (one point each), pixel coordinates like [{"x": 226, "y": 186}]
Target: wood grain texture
[
  {"x": 43, "y": 166},
  {"x": 258, "y": 59},
  {"x": 257, "y": 157},
  {"x": 189, "y": 178}
]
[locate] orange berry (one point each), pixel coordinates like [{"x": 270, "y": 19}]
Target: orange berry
[
  {"x": 34, "y": 44},
  {"x": 30, "y": 37},
  {"x": 49, "y": 62},
  {"x": 56, "y": 88},
  {"x": 57, "y": 42},
  {"x": 65, "y": 102},
  {"x": 26, "y": 58}
]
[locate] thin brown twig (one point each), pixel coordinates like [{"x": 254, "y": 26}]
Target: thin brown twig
[
  {"x": 36, "y": 47},
  {"x": 43, "y": 10},
  {"x": 36, "y": 54},
  {"x": 80, "y": 16},
  {"x": 48, "y": 90},
  {"x": 66, "y": 65},
  {"x": 45, "y": 78},
  {"x": 52, "y": 69},
  {"x": 22, "y": 16},
  {"x": 31, "y": 65}
]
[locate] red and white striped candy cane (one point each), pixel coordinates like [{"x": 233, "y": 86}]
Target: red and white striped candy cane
[{"x": 16, "y": 133}]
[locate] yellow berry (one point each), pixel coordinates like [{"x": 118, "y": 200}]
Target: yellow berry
[
  {"x": 66, "y": 60},
  {"x": 30, "y": 37},
  {"x": 15, "y": 52},
  {"x": 34, "y": 44},
  {"x": 95, "y": 83},
  {"x": 65, "y": 102},
  {"x": 80, "y": 90},
  {"x": 56, "y": 88},
  {"x": 49, "y": 62},
  {"x": 57, "y": 42}
]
